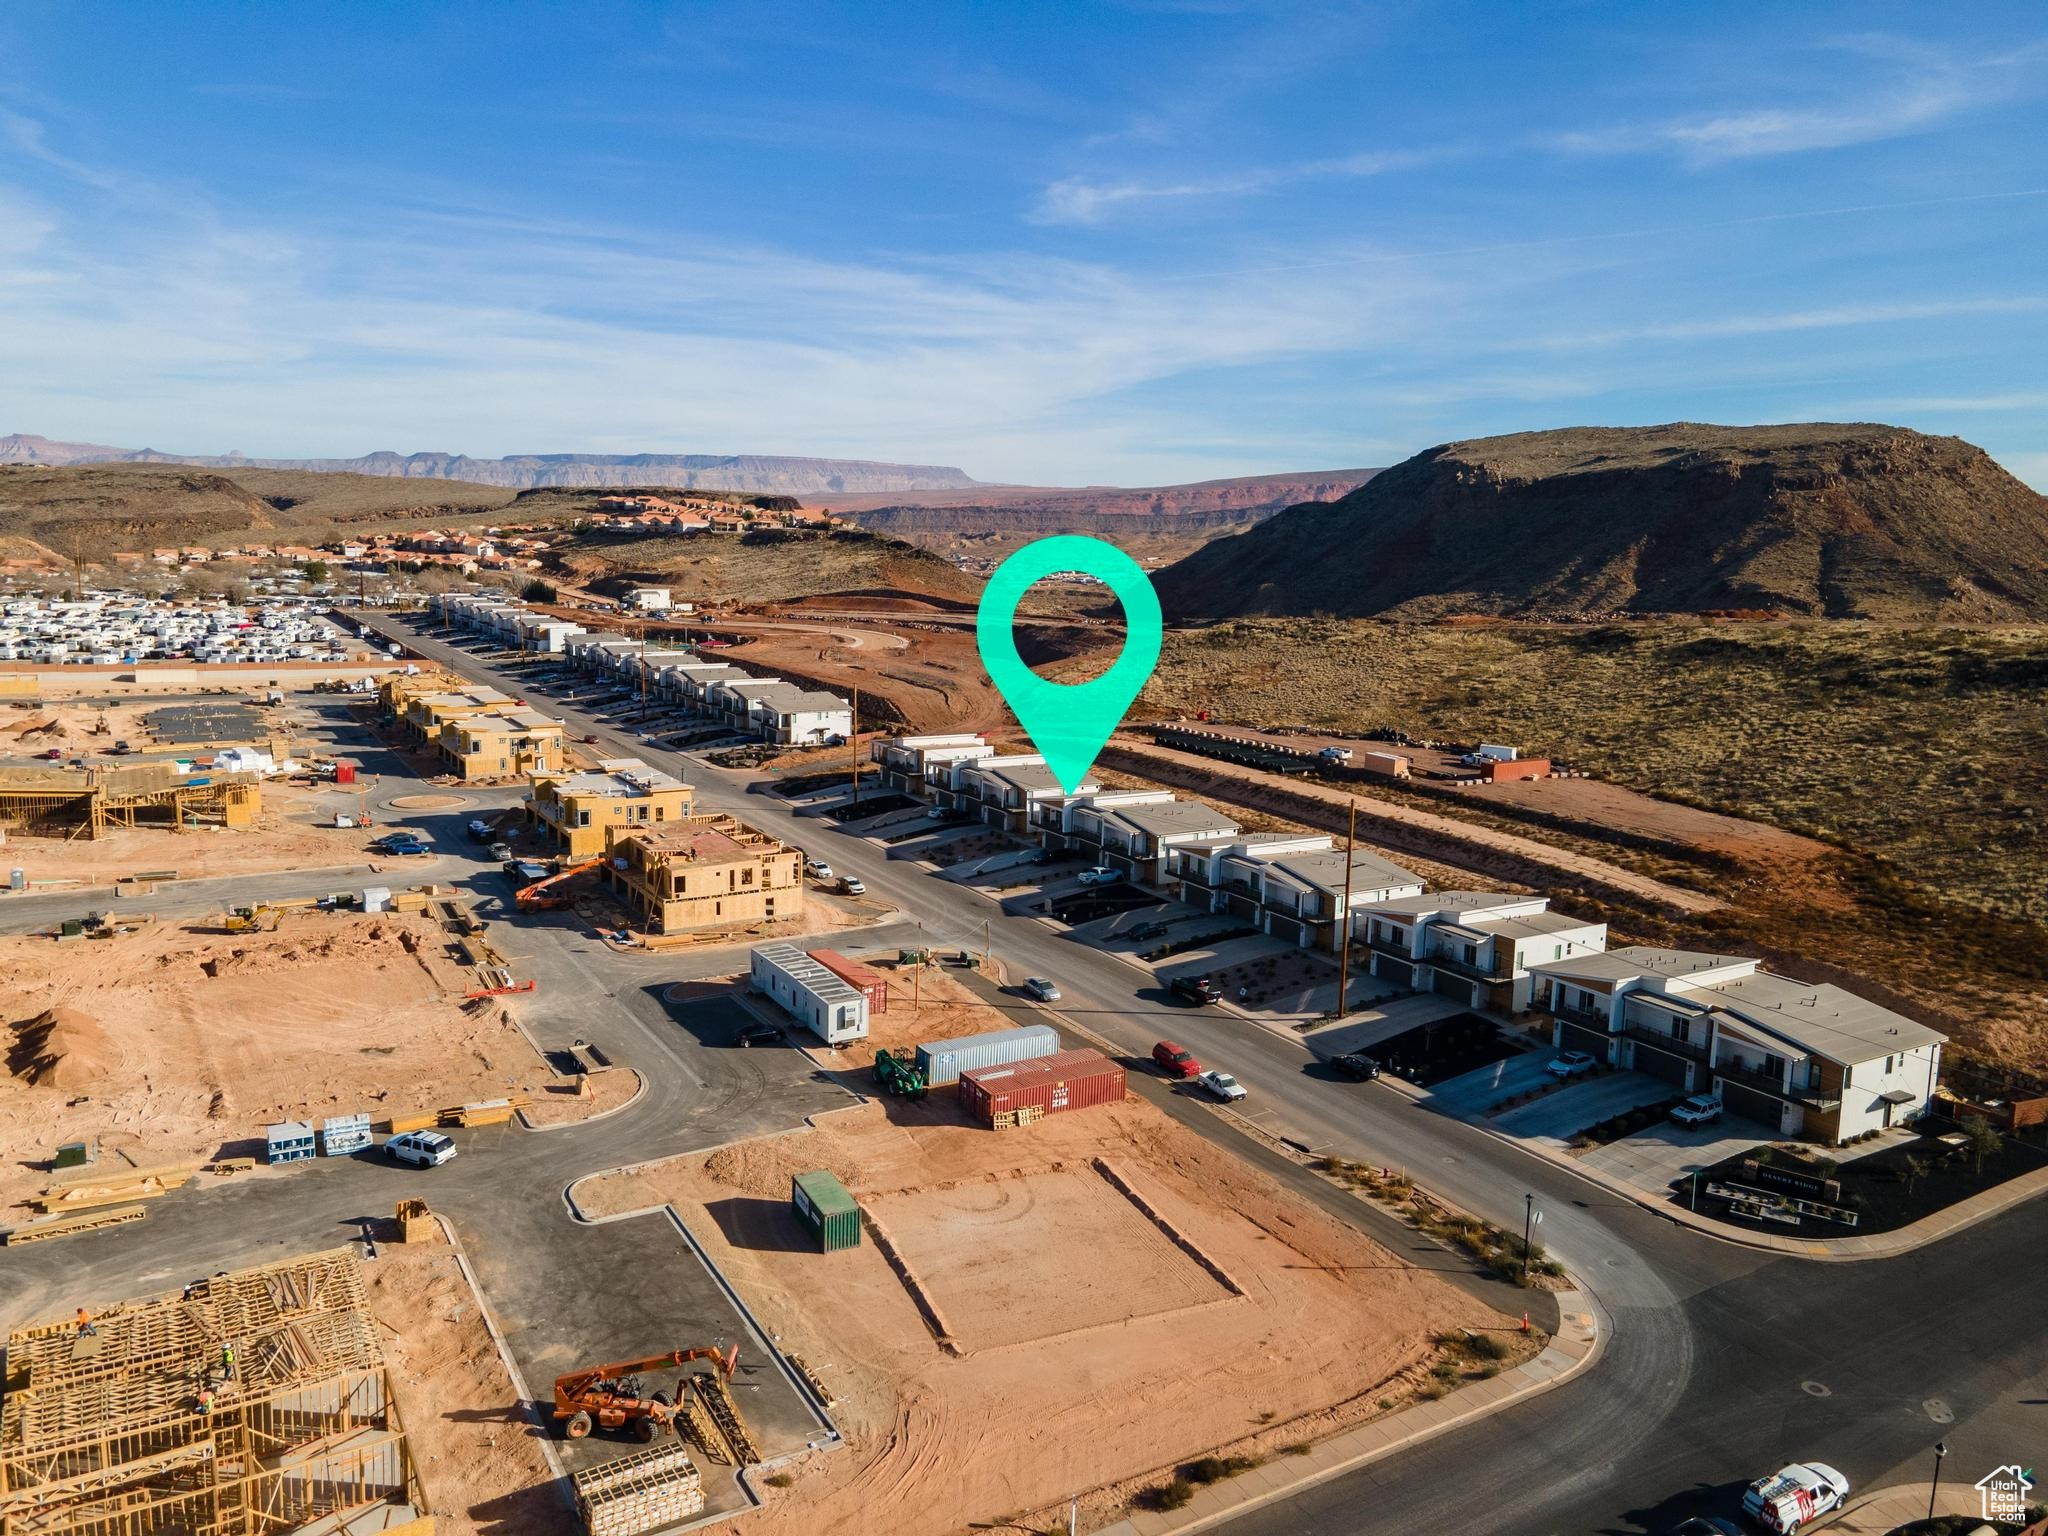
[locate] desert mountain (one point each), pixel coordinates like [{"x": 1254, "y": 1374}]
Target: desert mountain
[
  {"x": 1835, "y": 521},
  {"x": 694, "y": 471}
]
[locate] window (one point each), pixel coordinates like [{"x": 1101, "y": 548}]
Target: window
[
  {"x": 1774, "y": 1066},
  {"x": 583, "y": 818},
  {"x": 1681, "y": 1030}
]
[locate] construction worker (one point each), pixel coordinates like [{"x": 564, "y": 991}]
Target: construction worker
[
  {"x": 206, "y": 1398},
  {"x": 85, "y": 1327},
  {"x": 227, "y": 1362}
]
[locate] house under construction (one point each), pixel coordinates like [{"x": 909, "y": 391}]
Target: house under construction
[
  {"x": 87, "y": 802},
  {"x": 140, "y": 1428}
]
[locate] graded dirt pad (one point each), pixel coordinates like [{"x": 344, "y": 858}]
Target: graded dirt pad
[
  {"x": 478, "y": 1453},
  {"x": 175, "y": 1044},
  {"x": 934, "y": 1004},
  {"x": 994, "y": 1256},
  {"x": 1081, "y": 1368}
]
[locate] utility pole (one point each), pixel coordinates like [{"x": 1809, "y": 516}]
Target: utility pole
[
  {"x": 1344, "y": 950},
  {"x": 1940, "y": 1451},
  {"x": 853, "y": 740}
]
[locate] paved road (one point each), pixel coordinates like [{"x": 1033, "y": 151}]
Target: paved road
[{"x": 1723, "y": 1362}]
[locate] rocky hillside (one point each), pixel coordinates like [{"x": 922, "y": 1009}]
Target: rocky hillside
[
  {"x": 1835, "y": 521},
  {"x": 774, "y": 474}
]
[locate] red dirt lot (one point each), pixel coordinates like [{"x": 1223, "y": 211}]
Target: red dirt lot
[{"x": 1061, "y": 1308}]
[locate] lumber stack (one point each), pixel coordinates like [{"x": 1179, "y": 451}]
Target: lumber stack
[
  {"x": 97, "y": 1187},
  {"x": 67, "y": 1226}
]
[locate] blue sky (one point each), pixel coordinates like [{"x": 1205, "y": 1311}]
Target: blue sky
[{"x": 1127, "y": 243}]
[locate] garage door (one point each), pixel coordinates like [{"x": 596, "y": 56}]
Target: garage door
[
  {"x": 1399, "y": 972},
  {"x": 1672, "y": 1068},
  {"x": 1450, "y": 984},
  {"x": 1750, "y": 1104},
  {"x": 1577, "y": 1037}
]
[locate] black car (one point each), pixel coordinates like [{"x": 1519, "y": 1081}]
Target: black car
[
  {"x": 404, "y": 846},
  {"x": 1195, "y": 989},
  {"x": 759, "y": 1034},
  {"x": 1355, "y": 1065}
]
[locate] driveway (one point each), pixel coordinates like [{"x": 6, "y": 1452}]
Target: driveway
[
  {"x": 1367, "y": 1027},
  {"x": 1557, "y": 1117},
  {"x": 1473, "y": 1093},
  {"x": 1650, "y": 1160}
]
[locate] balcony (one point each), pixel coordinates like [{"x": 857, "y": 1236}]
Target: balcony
[
  {"x": 1457, "y": 967},
  {"x": 1664, "y": 1040},
  {"x": 1396, "y": 948},
  {"x": 1586, "y": 1018},
  {"x": 1765, "y": 1082}
]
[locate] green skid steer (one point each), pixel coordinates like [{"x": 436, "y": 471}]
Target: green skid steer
[{"x": 899, "y": 1076}]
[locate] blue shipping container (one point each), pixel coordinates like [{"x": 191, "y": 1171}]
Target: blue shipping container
[{"x": 942, "y": 1061}]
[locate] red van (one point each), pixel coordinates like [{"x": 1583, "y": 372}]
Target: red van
[{"x": 1175, "y": 1060}]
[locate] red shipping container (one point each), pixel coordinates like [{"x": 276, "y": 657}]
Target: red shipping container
[
  {"x": 344, "y": 773},
  {"x": 1521, "y": 768},
  {"x": 1053, "y": 1084},
  {"x": 864, "y": 979}
]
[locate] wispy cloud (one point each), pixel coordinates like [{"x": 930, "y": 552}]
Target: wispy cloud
[
  {"x": 1924, "y": 89},
  {"x": 1832, "y": 317},
  {"x": 1088, "y": 200}
]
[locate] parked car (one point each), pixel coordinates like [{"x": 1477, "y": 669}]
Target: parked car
[
  {"x": 1355, "y": 1065},
  {"x": 818, "y": 869},
  {"x": 479, "y": 829},
  {"x": 1040, "y": 988},
  {"x": 851, "y": 885},
  {"x": 1794, "y": 1496},
  {"x": 420, "y": 1149},
  {"x": 1700, "y": 1109},
  {"x": 1100, "y": 874},
  {"x": 526, "y": 871},
  {"x": 589, "y": 738},
  {"x": 1335, "y": 754},
  {"x": 399, "y": 847},
  {"x": 501, "y": 851},
  {"x": 1144, "y": 932},
  {"x": 1175, "y": 1060},
  {"x": 1195, "y": 989},
  {"x": 1223, "y": 1085},
  {"x": 1571, "y": 1064},
  {"x": 758, "y": 1033}
]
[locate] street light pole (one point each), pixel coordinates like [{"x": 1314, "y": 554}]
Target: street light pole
[
  {"x": 1940, "y": 1451},
  {"x": 1528, "y": 1223}
]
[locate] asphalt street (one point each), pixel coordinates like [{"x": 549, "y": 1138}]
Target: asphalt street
[{"x": 1722, "y": 1362}]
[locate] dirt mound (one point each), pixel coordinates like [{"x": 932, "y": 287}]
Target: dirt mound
[
  {"x": 766, "y": 1166},
  {"x": 61, "y": 1048}
]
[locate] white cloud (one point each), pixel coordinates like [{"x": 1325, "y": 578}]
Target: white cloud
[{"x": 1084, "y": 200}]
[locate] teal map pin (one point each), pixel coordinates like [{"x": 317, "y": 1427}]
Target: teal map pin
[{"x": 1069, "y": 722}]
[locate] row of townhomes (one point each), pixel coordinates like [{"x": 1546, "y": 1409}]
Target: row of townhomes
[
  {"x": 580, "y": 812},
  {"x": 1812, "y": 1061},
  {"x": 1808, "y": 1060},
  {"x": 769, "y": 708},
  {"x": 478, "y": 731}
]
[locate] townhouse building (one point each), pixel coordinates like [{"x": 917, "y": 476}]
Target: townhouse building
[
  {"x": 1800, "y": 1059},
  {"x": 502, "y": 744},
  {"x": 1482, "y": 947},
  {"x": 1130, "y": 830},
  {"x": 1290, "y": 885},
  {"x": 578, "y": 811},
  {"x": 914, "y": 764},
  {"x": 1001, "y": 790},
  {"x": 799, "y": 717},
  {"x": 706, "y": 871}
]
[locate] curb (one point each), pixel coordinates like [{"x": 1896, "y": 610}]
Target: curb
[
  {"x": 1581, "y": 1339},
  {"x": 576, "y": 1125}
]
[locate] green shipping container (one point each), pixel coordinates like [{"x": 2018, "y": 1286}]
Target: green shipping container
[{"x": 826, "y": 1210}]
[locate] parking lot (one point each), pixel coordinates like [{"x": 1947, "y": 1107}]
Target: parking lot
[{"x": 1649, "y": 1161}]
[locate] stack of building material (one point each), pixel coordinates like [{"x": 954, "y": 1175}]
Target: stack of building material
[
  {"x": 111, "y": 1186},
  {"x": 289, "y": 1141},
  {"x": 640, "y": 1491},
  {"x": 416, "y": 1222},
  {"x": 341, "y": 1135},
  {"x": 66, "y": 1226}
]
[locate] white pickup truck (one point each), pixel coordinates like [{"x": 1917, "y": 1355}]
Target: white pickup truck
[{"x": 1795, "y": 1495}]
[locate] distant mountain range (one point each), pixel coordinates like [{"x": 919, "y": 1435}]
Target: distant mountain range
[
  {"x": 1820, "y": 520},
  {"x": 777, "y": 474}
]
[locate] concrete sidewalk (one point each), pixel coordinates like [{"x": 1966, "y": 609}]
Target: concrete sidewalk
[
  {"x": 1580, "y": 1336},
  {"x": 1879, "y": 1513}
]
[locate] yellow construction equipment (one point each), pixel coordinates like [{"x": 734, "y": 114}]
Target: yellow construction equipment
[{"x": 252, "y": 919}]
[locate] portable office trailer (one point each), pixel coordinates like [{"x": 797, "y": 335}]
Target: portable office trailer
[
  {"x": 811, "y": 994},
  {"x": 942, "y": 1061},
  {"x": 864, "y": 979},
  {"x": 825, "y": 1208},
  {"x": 289, "y": 1141}
]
